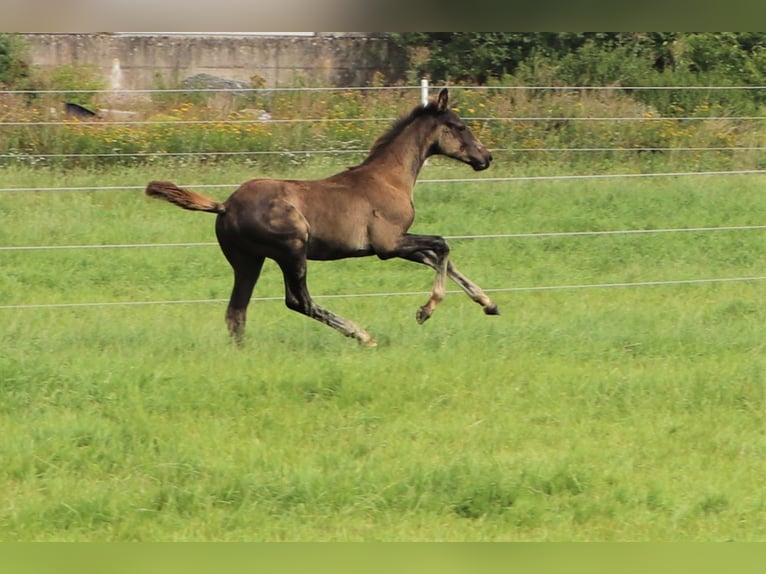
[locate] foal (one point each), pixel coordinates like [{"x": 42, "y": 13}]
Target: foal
[{"x": 365, "y": 210}]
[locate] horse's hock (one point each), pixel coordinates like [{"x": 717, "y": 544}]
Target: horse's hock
[{"x": 150, "y": 61}]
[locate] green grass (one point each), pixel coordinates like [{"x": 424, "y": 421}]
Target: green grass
[{"x": 634, "y": 413}]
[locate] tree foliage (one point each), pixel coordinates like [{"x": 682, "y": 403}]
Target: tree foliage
[
  {"x": 601, "y": 58},
  {"x": 482, "y": 56}
]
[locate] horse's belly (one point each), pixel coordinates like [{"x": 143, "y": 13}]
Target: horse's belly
[{"x": 323, "y": 250}]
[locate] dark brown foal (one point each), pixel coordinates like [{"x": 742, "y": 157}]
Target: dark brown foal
[{"x": 365, "y": 210}]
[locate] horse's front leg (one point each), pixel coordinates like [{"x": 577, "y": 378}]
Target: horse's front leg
[
  {"x": 437, "y": 291},
  {"x": 433, "y": 251},
  {"x": 472, "y": 289}
]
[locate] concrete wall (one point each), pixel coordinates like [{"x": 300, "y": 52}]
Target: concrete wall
[{"x": 147, "y": 61}]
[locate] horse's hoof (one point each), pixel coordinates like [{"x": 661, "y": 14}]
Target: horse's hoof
[
  {"x": 422, "y": 315},
  {"x": 492, "y": 310},
  {"x": 365, "y": 340}
]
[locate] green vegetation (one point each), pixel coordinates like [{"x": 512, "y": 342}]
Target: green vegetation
[
  {"x": 14, "y": 68},
  {"x": 601, "y": 59},
  {"x": 591, "y": 414},
  {"x": 602, "y": 413},
  {"x": 184, "y": 122},
  {"x": 506, "y": 120}
]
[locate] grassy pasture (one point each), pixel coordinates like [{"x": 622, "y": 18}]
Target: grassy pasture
[{"x": 630, "y": 413}]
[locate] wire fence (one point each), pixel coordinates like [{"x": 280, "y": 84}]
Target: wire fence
[
  {"x": 451, "y": 180},
  {"x": 494, "y": 88},
  {"x": 314, "y": 120},
  {"x": 536, "y": 288},
  {"x": 362, "y": 151},
  {"x": 549, "y": 121},
  {"x": 521, "y": 119},
  {"x": 538, "y": 235}
]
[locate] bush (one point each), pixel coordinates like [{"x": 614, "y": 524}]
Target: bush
[
  {"x": 78, "y": 83},
  {"x": 14, "y": 69}
]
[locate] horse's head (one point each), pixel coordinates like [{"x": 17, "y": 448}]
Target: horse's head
[{"x": 455, "y": 140}]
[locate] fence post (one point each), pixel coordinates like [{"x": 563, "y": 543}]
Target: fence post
[{"x": 424, "y": 91}]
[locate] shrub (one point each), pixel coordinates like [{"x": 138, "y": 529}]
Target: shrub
[
  {"x": 14, "y": 69},
  {"x": 78, "y": 83}
]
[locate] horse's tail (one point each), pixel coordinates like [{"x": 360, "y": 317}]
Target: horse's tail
[{"x": 183, "y": 197}]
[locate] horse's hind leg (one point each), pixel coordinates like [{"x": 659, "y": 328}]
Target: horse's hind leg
[
  {"x": 246, "y": 273},
  {"x": 298, "y": 299}
]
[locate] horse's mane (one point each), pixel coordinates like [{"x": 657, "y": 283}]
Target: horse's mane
[{"x": 397, "y": 128}]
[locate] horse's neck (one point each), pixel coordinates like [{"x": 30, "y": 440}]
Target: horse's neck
[{"x": 404, "y": 155}]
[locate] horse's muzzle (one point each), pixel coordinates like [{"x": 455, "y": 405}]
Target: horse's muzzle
[{"x": 481, "y": 163}]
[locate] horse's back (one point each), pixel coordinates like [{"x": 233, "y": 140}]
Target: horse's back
[{"x": 260, "y": 189}]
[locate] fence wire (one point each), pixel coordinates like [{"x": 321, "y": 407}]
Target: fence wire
[
  {"x": 535, "y": 235},
  {"x": 451, "y": 180},
  {"x": 538, "y": 288}
]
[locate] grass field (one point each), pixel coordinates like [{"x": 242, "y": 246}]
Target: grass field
[{"x": 610, "y": 413}]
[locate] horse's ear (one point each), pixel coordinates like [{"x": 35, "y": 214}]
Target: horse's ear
[{"x": 442, "y": 101}]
